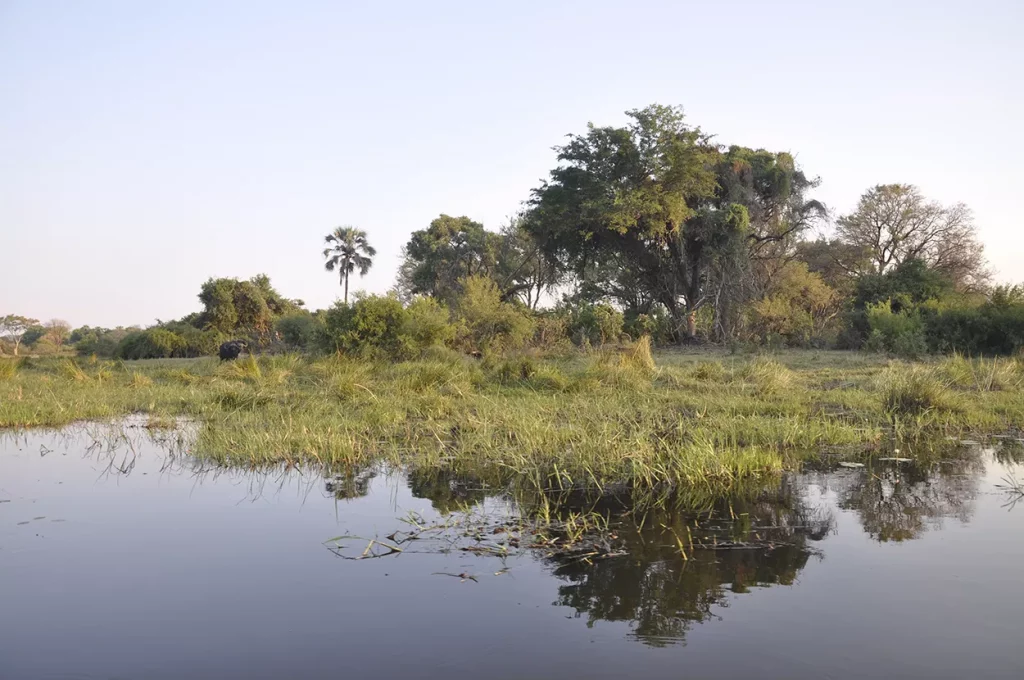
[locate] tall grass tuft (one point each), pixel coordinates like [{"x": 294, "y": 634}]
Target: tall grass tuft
[
  {"x": 243, "y": 368},
  {"x": 709, "y": 371},
  {"x": 639, "y": 357},
  {"x": 912, "y": 391},
  {"x": 983, "y": 375},
  {"x": 8, "y": 368},
  {"x": 69, "y": 369},
  {"x": 768, "y": 376}
]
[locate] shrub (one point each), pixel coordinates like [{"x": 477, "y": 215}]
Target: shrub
[
  {"x": 986, "y": 329},
  {"x": 655, "y": 324},
  {"x": 298, "y": 330},
  {"x": 514, "y": 370},
  {"x": 427, "y": 324},
  {"x": 8, "y": 367},
  {"x": 371, "y": 327},
  {"x": 595, "y": 324},
  {"x": 487, "y": 322},
  {"x": 901, "y": 333},
  {"x": 153, "y": 343},
  {"x": 102, "y": 342}
]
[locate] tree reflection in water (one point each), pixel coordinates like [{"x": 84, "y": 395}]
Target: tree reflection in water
[
  {"x": 899, "y": 501},
  {"x": 755, "y": 542},
  {"x": 757, "y": 537}
]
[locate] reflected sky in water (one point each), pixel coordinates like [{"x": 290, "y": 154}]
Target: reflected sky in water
[{"x": 120, "y": 559}]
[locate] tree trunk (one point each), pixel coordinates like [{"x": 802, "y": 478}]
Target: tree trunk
[
  {"x": 346, "y": 288},
  {"x": 691, "y": 324}
]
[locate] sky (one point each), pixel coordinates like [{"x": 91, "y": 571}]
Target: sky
[{"x": 145, "y": 147}]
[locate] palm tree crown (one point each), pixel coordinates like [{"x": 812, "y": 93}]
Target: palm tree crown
[{"x": 348, "y": 250}]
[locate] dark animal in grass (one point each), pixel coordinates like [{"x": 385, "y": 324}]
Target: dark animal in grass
[{"x": 231, "y": 349}]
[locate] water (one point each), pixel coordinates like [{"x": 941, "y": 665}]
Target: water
[{"x": 135, "y": 563}]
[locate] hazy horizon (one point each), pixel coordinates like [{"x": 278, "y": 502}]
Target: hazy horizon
[{"x": 148, "y": 147}]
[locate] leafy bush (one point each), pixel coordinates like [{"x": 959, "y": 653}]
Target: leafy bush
[
  {"x": 370, "y": 327},
  {"x": 298, "y": 330},
  {"x": 595, "y": 324},
  {"x": 800, "y": 310},
  {"x": 103, "y": 342},
  {"x": 991, "y": 328},
  {"x": 427, "y": 324},
  {"x": 153, "y": 343},
  {"x": 8, "y": 367},
  {"x": 901, "y": 333},
  {"x": 656, "y": 324},
  {"x": 487, "y": 323}
]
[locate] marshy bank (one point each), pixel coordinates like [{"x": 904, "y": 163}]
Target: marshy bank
[
  {"x": 600, "y": 420},
  {"x": 125, "y": 556}
]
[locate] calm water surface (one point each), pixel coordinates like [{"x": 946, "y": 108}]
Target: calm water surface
[{"x": 128, "y": 562}]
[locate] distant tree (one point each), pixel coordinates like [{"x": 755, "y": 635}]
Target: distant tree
[
  {"x": 895, "y": 223},
  {"x": 439, "y": 257},
  {"x": 348, "y": 250},
  {"x": 34, "y": 334},
  {"x": 837, "y": 263},
  {"x": 233, "y": 306},
  {"x": 645, "y": 196},
  {"x": 13, "y": 328},
  {"x": 57, "y": 332}
]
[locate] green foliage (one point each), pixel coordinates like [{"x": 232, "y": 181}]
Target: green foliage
[
  {"x": 152, "y": 343},
  {"x": 654, "y": 323},
  {"x": 901, "y": 333},
  {"x": 32, "y": 335},
  {"x": 234, "y": 307},
  {"x": 298, "y": 330},
  {"x": 595, "y": 324},
  {"x": 8, "y": 367},
  {"x": 102, "y": 342},
  {"x": 655, "y": 212},
  {"x": 992, "y": 328},
  {"x": 800, "y": 309},
  {"x": 427, "y": 323},
  {"x": 487, "y": 323},
  {"x": 439, "y": 257},
  {"x": 370, "y": 326}
]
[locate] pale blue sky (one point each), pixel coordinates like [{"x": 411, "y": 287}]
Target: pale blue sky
[{"x": 145, "y": 146}]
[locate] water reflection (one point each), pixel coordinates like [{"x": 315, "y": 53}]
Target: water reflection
[
  {"x": 899, "y": 501},
  {"x": 675, "y": 568},
  {"x": 680, "y": 569}
]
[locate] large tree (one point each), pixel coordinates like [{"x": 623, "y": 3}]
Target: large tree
[
  {"x": 57, "y": 332},
  {"x": 895, "y": 223},
  {"x": 348, "y": 250},
  {"x": 13, "y": 327},
  {"x": 451, "y": 249},
  {"x": 646, "y": 196},
  {"x": 231, "y": 306}
]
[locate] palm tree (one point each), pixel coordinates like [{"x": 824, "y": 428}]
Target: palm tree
[{"x": 350, "y": 251}]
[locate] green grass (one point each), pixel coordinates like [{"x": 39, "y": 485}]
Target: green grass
[{"x": 603, "y": 419}]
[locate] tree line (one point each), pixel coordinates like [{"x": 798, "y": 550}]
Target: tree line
[{"x": 650, "y": 228}]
